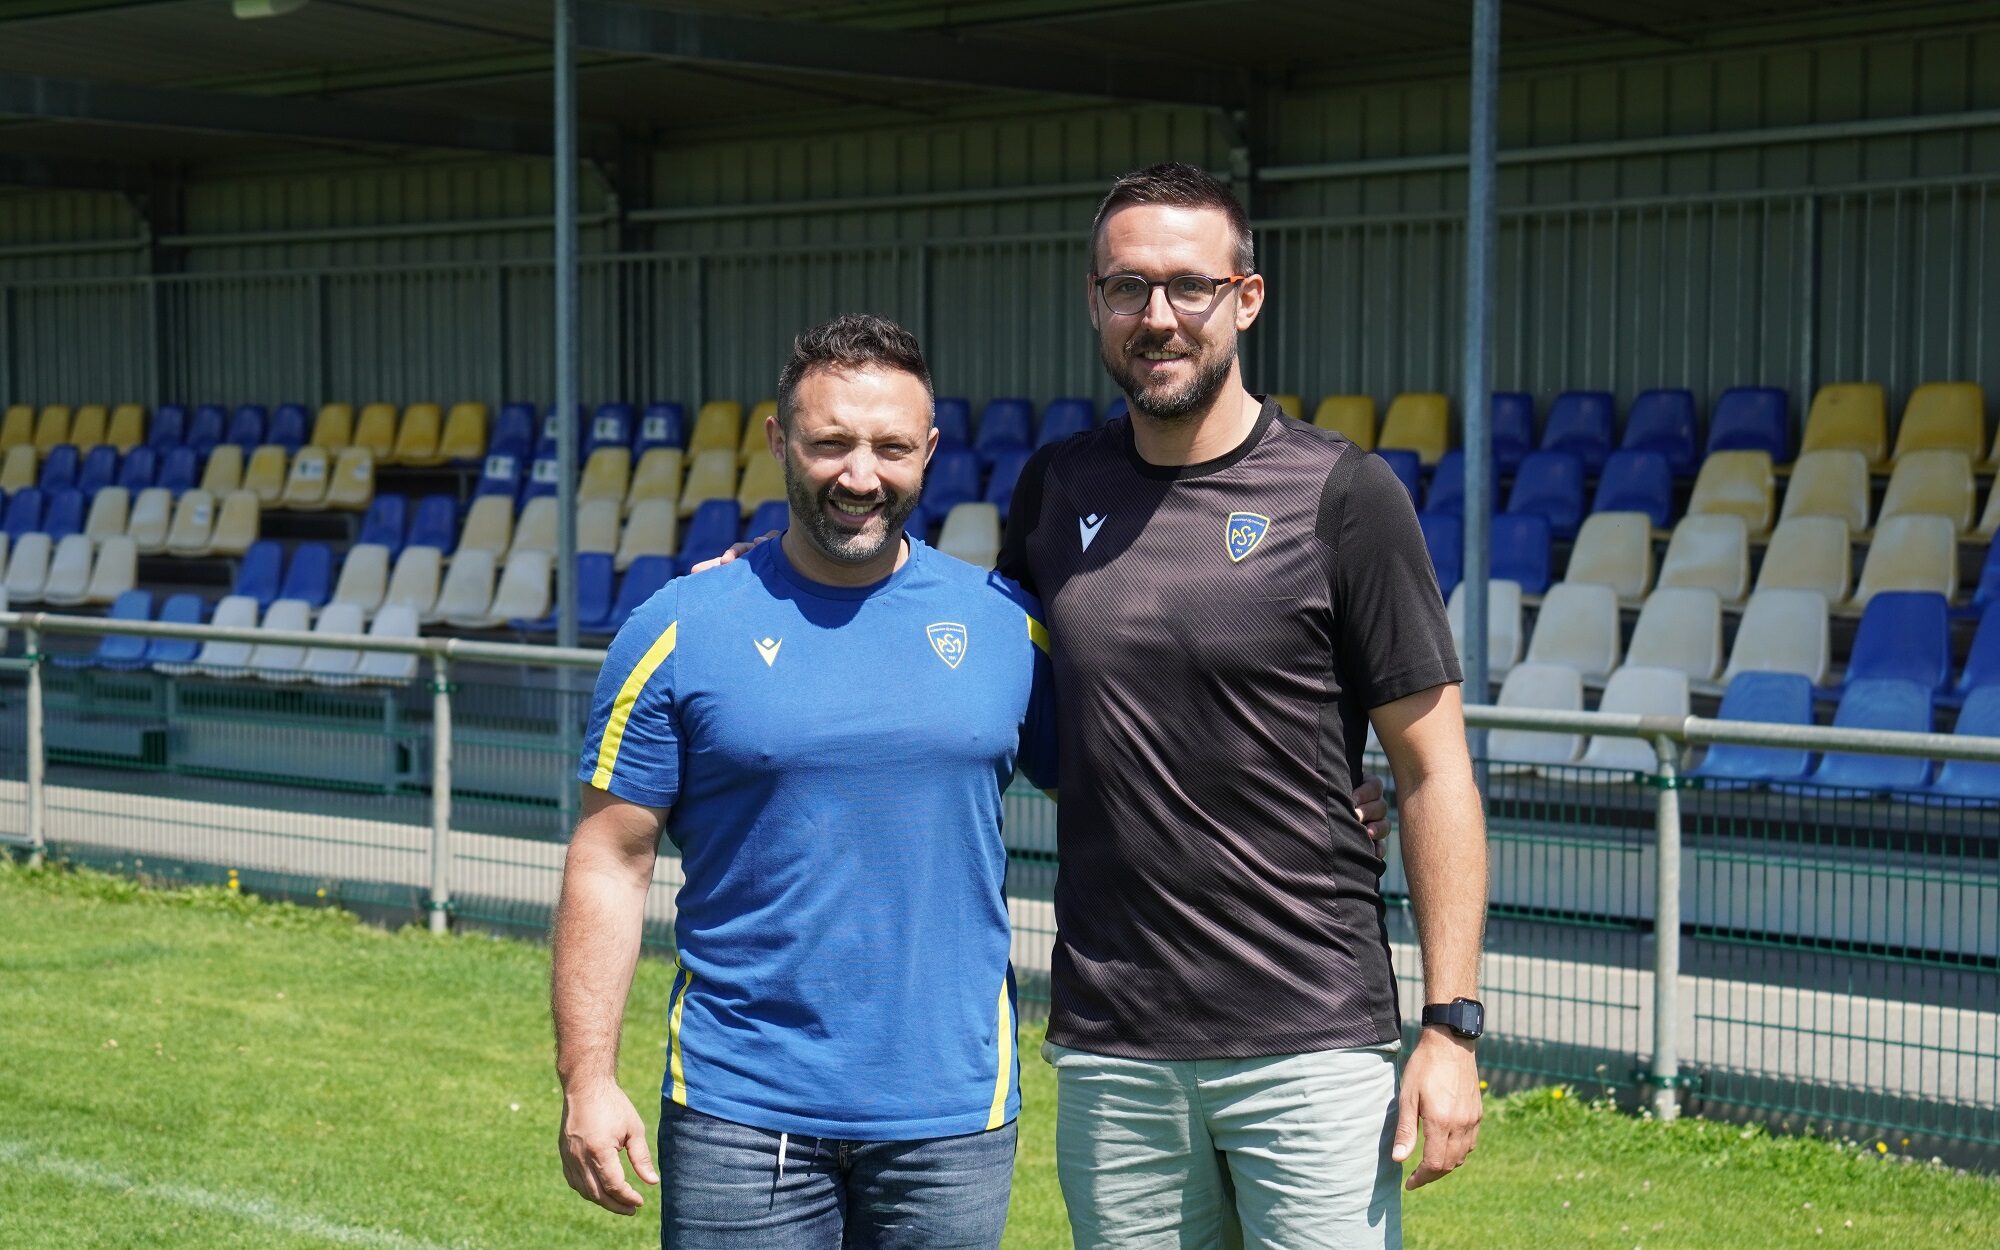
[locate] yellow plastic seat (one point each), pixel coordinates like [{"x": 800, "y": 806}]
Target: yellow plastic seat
[
  {"x": 1291, "y": 405},
  {"x": 489, "y": 526},
  {"x": 193, "y": 524},
  {"x": 17, "y": 471},
  {"x": 305, "y": 484},
  {"x": 351, "y": 484},
  {"x": 763, "y": 481},
  {"x": 1349, "y": 415},
  {"x": 464, "y": 437},
  {"x": 606, "y": 475},
  {"x": 1783, "y": 631},
  {"x": 265, "y": 474},
  {"x": 236, "y": 524},
  {"x": 333, "y": 428},
  {"x": 224, "y": 471},
  {"x": 1738, "y": 483},
  {"x": 657, "y": 477},
  {"x": 375, "y": 430},
  {"x": 653, "y": 529},
  {"x": 110, "y": 513},
  {"x": 1849, "y": 416},
  {"x": 17, "y": 428},
  {"x": 1948, "y": 416},
  {"x": 597, "y": 526},
  {"x": 1418, "y": 421},
  {"x": 1935, "y": 483},
  {"x": 115, "y": 572},
  {"x": 718, "y": 426},
  {"x": 1810, "y": 553},
  {"x": 1614, "y": 549},
  {"x": 1679, "y": 628},
  {"x": 1829, "y": 482},
  {"x": 1910, "y": 552},
  {"x": 417, "y": 437},
  {"x": 128, "y": 427},
  {"x": 52, "y": 428},
  {"x": 753, "y": 443},
  {"x": 712, "y": 477},
  {"x": 88, "y": 428},
  {"x": 1712, "y": 551},
  {"x": 972, "y": 534}
]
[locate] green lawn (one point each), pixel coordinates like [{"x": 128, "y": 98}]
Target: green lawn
[{"x": 196, "y": 1069}]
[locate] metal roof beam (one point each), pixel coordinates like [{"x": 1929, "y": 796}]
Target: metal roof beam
[
  {"x": 818, "y": 48},
  {"x": 74, "y": 175}
]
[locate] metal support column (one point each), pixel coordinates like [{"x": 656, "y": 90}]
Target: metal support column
[
  {"x": 1809, "y": 214},
  {"x": 37, "y": 750},
  {"x": 565, "y": 344},
  {"x": 1667, "y": 933},
  {"x": 1481, "y": 225},
  {"x": 440, "y": 901}
]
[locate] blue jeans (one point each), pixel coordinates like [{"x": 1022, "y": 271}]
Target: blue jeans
[{"x": 725, "y": 1185}]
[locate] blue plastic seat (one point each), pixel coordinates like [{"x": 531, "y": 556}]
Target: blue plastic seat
[
  {"x": 709, "y": 533},
  {"x": 60, "y": 469},
  {"x": 593, "y": 597},
  {"x": 1879, "y": 703},
  {"x": 123, "y": 651},
  {"x": 62, "y": 514},
  {"x": 137, "y": 470},
  {"x": 1751, "y": 418},
  {"x": 500, "y": 474},
  {"x": 1447, "y": 491},
  {"x": 951, "y": 479},
  {"x": 1767, "y": 698},
  {"x": 1973, "y": 779},
  {"x": 180, "y": 470},
  {"x": 917, "y": 525},
  {"x": 1550, "y": 483},
  {"x": 258, "y": 571},
  {"x": 1065, "y": 417},
  {"x": 384, "y": 522},
  {"x": 551, "y": 428},
  {"x": 1006, "y": 425},
  {"x": 1663, "y": 421},
  {"x": 1581, "y": 421},
  {"x": 1904, "y": 635},
  {"x": 1444, "y": 536},
  {"x": 611, "y": 427},
  {"x": 1117, "y": 408},
  {"x": 288, "y": 428},
  {"x": 168, "y": 427},
  {"x": 1408, "y": 467},
  {"x": 953, "y": 418},
  {"x": 24, "y": 513},
  {"x": 1512, "y": 414},
  {"x": 246, "y": 427},
  {"x": 435, "y": 523},
  {"x": 1637, "y": 481},
  {"x": 310, "y": 576},
  {"x": 663, "y": 425},
  {"x": 772, "y": 514},
  {"x": 205, "y": 429},
  {"x": 1520, "y": 545},
  {"x": 181, "y": 609},
  {"x": 1982, "y": 662},
  {"x": 100, "y": 466},
  {"x": 1987, "y": 591},
  {"x": 513, "y": 431},
  {"x": 641, "y": 582},
  {"x": 1000, "y": 482},
  {"x": 543, "y": 476}
]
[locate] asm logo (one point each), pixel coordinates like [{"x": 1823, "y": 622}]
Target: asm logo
[
  {"x": 1242, "y": 534},
  {"x": 949, "y": 641}
]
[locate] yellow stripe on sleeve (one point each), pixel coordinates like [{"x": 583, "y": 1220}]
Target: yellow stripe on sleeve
[
  {"x": 1003, "y": 1081},
  {"x": 628, "y": 696},
  {"x": 674, "y": 1068},
  {"x": 1039, "y": 633}
]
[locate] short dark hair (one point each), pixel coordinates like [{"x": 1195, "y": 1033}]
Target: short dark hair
[
  {"x": 1180, "y": 186},
  {"x": 854, "y": 341}
]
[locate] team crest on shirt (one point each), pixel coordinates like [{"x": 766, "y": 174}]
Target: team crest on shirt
[
  {"x": 948, "y": 640},
  {"x": 1242, "y": 534}
]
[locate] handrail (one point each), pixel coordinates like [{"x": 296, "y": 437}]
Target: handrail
[{"x": 449, "y": 648}]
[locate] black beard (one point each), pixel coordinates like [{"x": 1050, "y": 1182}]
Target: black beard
[
  {"x": 845, "y": 546},
  {"x": 1172, "y": 406}
]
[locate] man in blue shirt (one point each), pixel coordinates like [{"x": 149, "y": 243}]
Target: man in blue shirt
[{"x": 824, "y": 731}]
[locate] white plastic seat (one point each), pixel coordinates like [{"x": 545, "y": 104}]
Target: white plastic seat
[
  {"x": 193, "y": 524},
  {"x": 1783, "y": 631},
  {"x": 1635, "y": 690},
  {"x": 653, "y": 529},
  {"x": 972, "y": 533},
  {"x": 68, "y": 580},
  {"x": 1679, "y": 628},
  {"x": 535, "y": 529},
  {"x": 223, "y": 659},
  {"x": 1614, "y": 549},
  {"x": 414, "y": 583},
  {"x": 281, "y": 661},
  {"x": 466, "y": 598},
  {"x": 523, "y": 593},
  {"x": 324, "y": 663},
  {"x": 364, "y": 578},
  {"x": 1810, "y": 553},
  {"x": 381, "y": 667},
  {"x": 1711, "y": 551},
  {"x": 1911, "y": 552},
  {"x": 1577, "y": 627},
  {"x": 1932, "y": 483},
  {"x": 1503, "y": 624},
  {"x": 1832, "y": 483},
  {"x": 597, "y": 525},
  {"x": 489, "y": 526},
  {"x": 1554, "y": 686},
  {"x": 28, "y": 568},
  {"x": 116, "y": 570},
  {"x": 151, "y": 513},
  {"x": 110, "y": 513}
]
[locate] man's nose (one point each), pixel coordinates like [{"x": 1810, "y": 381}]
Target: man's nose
[
  {"x": 859, "y": 474},
  {"x": 1159, "y": 314}
]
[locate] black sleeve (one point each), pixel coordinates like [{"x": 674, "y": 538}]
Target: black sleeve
[
  {"x": 1392, "y": 636},
  {"x": 1022, "y": 513}
]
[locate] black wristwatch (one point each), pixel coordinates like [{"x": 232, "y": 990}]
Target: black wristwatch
[{"x": 1465, "y": 1017}]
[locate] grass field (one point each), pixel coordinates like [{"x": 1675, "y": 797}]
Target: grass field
[{"x": 194, "y": 1068}]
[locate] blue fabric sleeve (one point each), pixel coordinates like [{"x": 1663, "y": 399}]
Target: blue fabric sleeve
[
  {"x": 1038, "y": 758},
  {"x": 632, "y": 745}
]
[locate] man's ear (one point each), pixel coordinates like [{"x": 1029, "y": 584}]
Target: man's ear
[
  {"x": 1249, "y": 301},
  {"x": 774, "y": 436}
]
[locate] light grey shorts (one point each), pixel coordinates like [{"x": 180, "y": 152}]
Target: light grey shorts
[{"x": 1287, "y": 1152}]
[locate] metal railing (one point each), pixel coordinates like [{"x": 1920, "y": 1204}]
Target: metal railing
[{"x": 1861, "y": 933}]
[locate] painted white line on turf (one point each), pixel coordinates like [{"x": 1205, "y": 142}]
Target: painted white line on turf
[{"x": 260, "y": 1210}]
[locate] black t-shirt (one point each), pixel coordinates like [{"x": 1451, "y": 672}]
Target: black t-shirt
[{"x": 1221, "y": 631}]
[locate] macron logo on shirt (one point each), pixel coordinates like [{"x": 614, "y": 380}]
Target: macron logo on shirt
[
  {"x": 1087, "y": 527},
  {"x": 768, "y": 648}
]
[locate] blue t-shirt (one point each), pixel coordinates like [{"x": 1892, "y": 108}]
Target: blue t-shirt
[{"x": 834, "y": 759}]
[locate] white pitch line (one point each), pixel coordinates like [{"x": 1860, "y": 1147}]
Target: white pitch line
[{"x": 259, "y": 1210}]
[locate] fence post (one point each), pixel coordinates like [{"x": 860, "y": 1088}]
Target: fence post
[
  {"x": 1667, "y": 932},
  {"x": 38, "y": 842},
  {"x": 440, "y": 902}
]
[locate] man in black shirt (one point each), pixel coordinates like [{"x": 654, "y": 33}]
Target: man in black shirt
[{"x": 1237, "y": 596}]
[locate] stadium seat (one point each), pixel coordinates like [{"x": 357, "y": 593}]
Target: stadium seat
[
  {"x": 237, "y": 520},
  {"x": 772, "y": 517},
  {"x": 467, "y": 593},
  {"x": 1512, "y": 417},
  {"x": 597, "y": 526},
  {"x": 718, "y": 426},
  {"x": 222, "y": 659},
  {"x": 1637, "y": 481},
  {"x": 1550, "y": 483},
  {"x": 1782, "y": 631},
  {"x": 364, "y": 578},
  {"x": 1291, "y": 405},
  {"x": 489, "y": 527},
  {"x": 1503, "y": 625},
  {"x": 1614, "y": 549},
  {"x": 754, "y": 441},
  {"x": 62, "y": 514},
  {"x": 375, "y": 431},
  {"x": 607, "y": 474},
  {"x": 712, "y": 477},
  {"x": 1987, "y": 591},
  {"x": 658, "y": 477},
  {"x": 67, "y": 582},
  {"x": 1418, "y": 421},
  {"x": 398, "y": 620},
  {"x": 1768, "y": 699},
  {"x": 1810, "y": 553},
  {"x": 952, "y": 415},
  {"x": 653, "y": 529},
  {"x": 118, "y": 651},
  {"x": 513, "y": 432},
  {"x": 1635, "y": 690},
  {"x": 52, "y": 428},
  {"x": 545, "y": 477},
  {"x": 152, "y": 511},
  {"x": 413, "y": 585},
  {"x": 1550, "y": 686},
  {"x": 287, "y": 429},
  {"x": 417, "y": 437},
  {"x": 1849, "y": 416},
  {"x": 340, "y": 620},
  {"x": 181, "y": 609},
  {"x": 952, "y": 479},
  {"x": 18, "y": 427},
  {"x": 1949, "y": 416},
  {"x": 1578, "y": 628},
  {"x": 382, "y": 524},
  {"x": 224, "y": 471},
  {"x": 350, "y": 485},
  {"x": 1408, "y": 470},
  {"x": 1880, "y": 703},
  {"x": 193, "y": 524},
  {"x": 205, "y": 429},
  {"x": 114, "y": 571},
  {"x": 664, "y": 424},
  {"x": 464, "y": 438},
  {"x": 500, "y": 474},
  {"x": 305, "y": 484},
  {"x": 180, "y": 470},
  {"x": 1064, "y": 418},
  {"x": 309, "y": 578},
  {"x": 1904, "y": 635},
  {"x": 709, "y": 533},
  {"x": 610, "y": 426},
  {"x": 1444, "y": 538},
  {"x": 534, "y": 528},
  {"x": 281, "y": 661},
  {"x": 1447, "y": 488},
  {"x": 24, "y": 512},
  {"x": 87, "y": 427},
  {"x": 333, "y": 427},
  {"x": 1117, "y": 408},
  {"x": 1910, "y": 553},
  {"x": 522, "y": 594},
  {"x": 1679, "y": 628},
  {"x": 264, "y": 476},
  {"x": 595, "y": 589},
  {"x": 59, "y": 469},
  {"x": 1520, "y": 546},
  {"x": 1739, "y": 483},
  {"x": 246, "y": 427},
  {"x": 17, "y": 471},
  {"x": 259, "y": 571},
  {"x": 127, "y": 430},
  {"x": 763, "y": 481},
  {"x": 99, "y": 468},
  {"x": 168, "y": 428},
  {"x": 1750, "y": 418},
  {"x": 28, "y": 567},
  {"x": 138, "y": 469},
  {"x": 1973, "y": 779},
  {"x": 640, "y": 583},
  {"x": 1989, "y": 519},
  {"x": 110, "y": 513},
  {"x": 1351, "y": 416},
  {"x": 1934, "y": 483},
  {"x": 1000, "y": 481},
  {"x": 435, "y": 523},
  {"x": 1005, "y": 424},
  {"x": 972, "y": 533},
  {"x": 1832, "y": 482}
]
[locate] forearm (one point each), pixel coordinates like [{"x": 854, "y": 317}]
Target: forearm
[
  {"x": 599, "y": 920},
  {"x": 1444, "y": 857}
]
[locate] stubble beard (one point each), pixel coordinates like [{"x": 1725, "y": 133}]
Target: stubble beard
[
  {"x": 845, "y": 546},
  {"x": 1170, "y": 406}
]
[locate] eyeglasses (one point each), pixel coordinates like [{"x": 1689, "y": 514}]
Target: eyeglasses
[{"x": 1128, "y": 293}]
